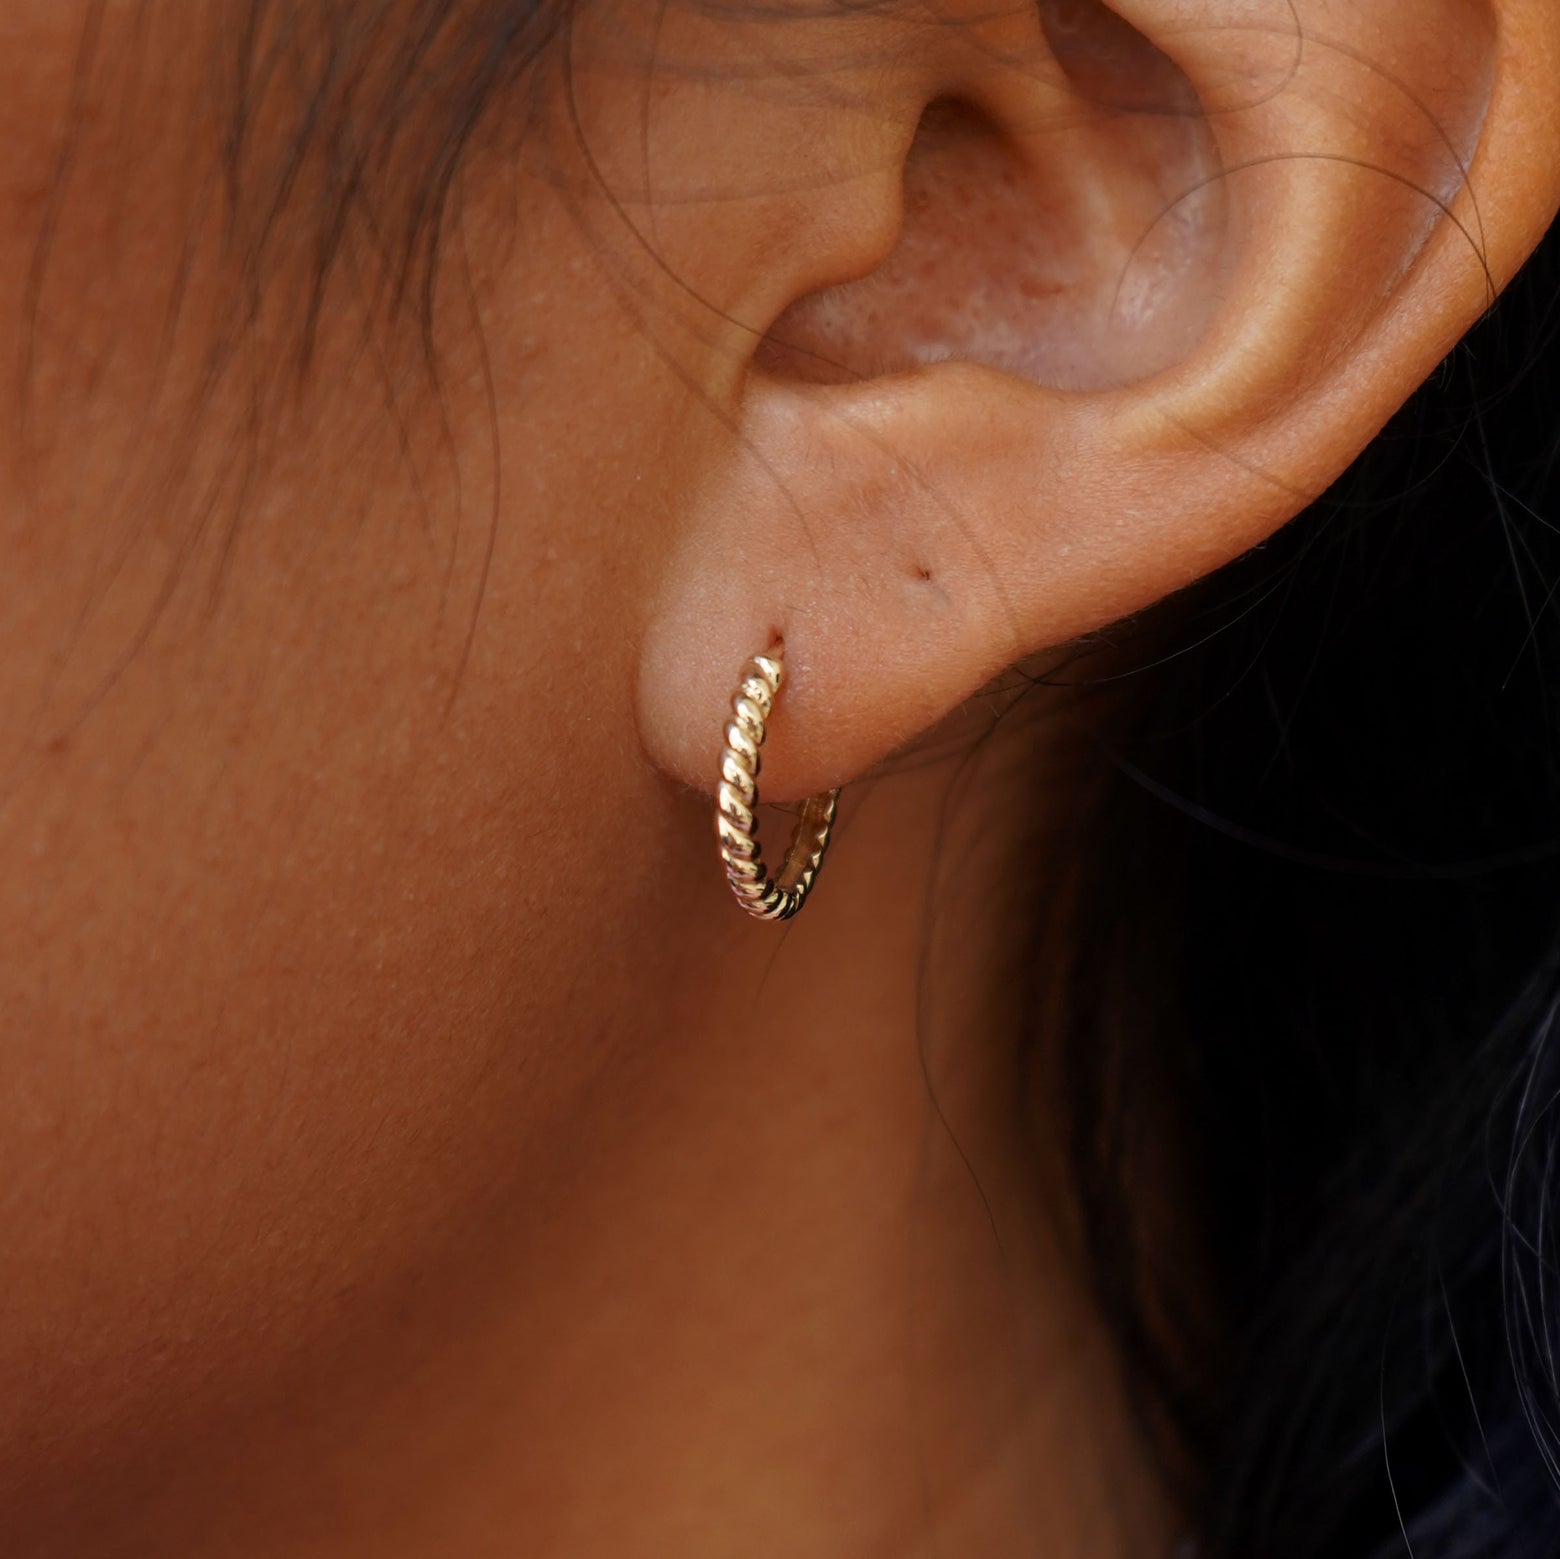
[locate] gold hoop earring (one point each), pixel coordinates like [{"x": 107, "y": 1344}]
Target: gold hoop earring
[{"x": 762, "y": 896}]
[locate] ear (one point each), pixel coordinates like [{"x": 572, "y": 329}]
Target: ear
[{"x": 1097, "y": 298}]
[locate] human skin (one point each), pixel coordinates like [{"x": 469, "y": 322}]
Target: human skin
[{"x": 406, "y": 1146}]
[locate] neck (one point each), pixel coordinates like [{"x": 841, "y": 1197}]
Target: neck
[{"x": 795, "y": 1281}]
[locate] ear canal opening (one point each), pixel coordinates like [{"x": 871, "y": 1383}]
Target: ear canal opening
[{"x": 1072, "y": 237}]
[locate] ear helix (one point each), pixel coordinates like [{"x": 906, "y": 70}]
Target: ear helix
[{"x": 761, "y": 895}]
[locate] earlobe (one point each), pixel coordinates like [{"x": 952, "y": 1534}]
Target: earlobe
[{"x": 932, "y": 507}]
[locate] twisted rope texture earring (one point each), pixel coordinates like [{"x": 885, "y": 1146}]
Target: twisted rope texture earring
[{"x": 763, "y": 896}]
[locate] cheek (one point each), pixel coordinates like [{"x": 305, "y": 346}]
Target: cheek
[
  {"x": 302, "y": 922},
  {"x": 281, "y": 1008}
]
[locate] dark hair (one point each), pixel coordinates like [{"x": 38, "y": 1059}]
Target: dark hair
[
  {"x": 1333, "y": 836},
  {"x": 1320, "y": 909},
  {"x": 350, "y": 122}
]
